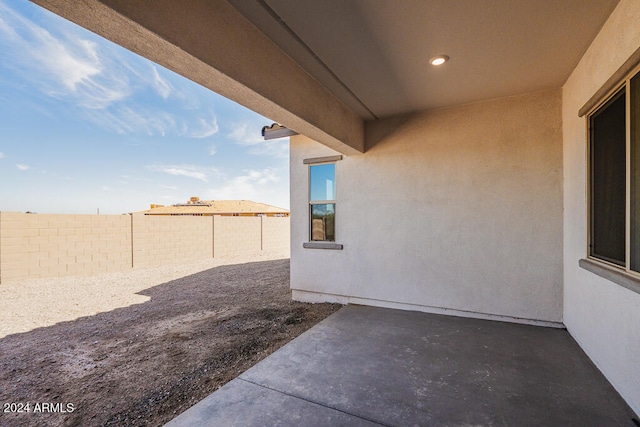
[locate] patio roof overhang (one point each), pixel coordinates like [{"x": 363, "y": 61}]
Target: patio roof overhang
[
  {"x": 211, "y": 43},
  {"x": 325, "y": 69}
]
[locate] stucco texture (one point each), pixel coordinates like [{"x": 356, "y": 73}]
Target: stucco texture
[
  {"x": 602, "y": 316},
  {"x": 456, "y": 210}
]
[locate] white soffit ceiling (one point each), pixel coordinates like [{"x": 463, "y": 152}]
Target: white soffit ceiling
[{"x": 374, "y": 54}]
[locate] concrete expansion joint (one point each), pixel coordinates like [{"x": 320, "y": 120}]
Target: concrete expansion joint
[{"x": 315, "y": 403}]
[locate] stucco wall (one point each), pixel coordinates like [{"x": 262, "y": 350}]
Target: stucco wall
[
  {"x": 602, "y": 316},
  {"x": 456, "y": 210}
]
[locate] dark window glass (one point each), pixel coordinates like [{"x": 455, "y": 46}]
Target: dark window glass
[
  {"x": 635, "y": 173},
  {"x": 608, "y": 180},
  {"x": 323, "y": 222}
]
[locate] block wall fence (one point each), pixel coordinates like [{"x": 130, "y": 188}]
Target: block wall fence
[{"x": 44, "y": 245}]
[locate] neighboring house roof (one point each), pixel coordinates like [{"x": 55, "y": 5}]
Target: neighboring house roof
[{"x": 217, "y": 207}]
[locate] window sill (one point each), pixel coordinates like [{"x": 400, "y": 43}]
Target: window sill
[
  {"x": 322, "y": 245},
  {"x": 613, "y": 274}
]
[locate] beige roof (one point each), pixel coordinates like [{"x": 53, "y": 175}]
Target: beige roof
[{"x": 217, "y": 207}]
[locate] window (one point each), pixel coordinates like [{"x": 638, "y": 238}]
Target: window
[
  {"x": 322, "y": 203},
  {"x": 614, "y": 181}
]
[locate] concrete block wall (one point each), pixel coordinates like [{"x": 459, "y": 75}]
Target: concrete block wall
[
  {"x": 159, "y": 240},
  {"x": 276, "y": 235},
  {"x": 37, "y": 246},
  {"x": 237, "y": 235}
]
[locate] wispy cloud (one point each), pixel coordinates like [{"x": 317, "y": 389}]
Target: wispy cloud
[
  {"x": 205, "y": 128},
  {"x": 274, "y": 148},
  {"x": 22, "y": 167},
  {"x": 126, "y": 120},
  {"x": 191, "y": 171},
  {"x": 212, "y": 150},
  {"x": 246, "y": 134},
  {"x": 62, "y": 65},
  {"x": 251, "y": 185},
  {"x": 99, "y": 82},
  {"x": 161, "y": 85},
  {"x": 1, "y": 155}
]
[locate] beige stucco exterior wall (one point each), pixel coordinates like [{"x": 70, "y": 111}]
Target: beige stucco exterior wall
[
  {"x": 160, "y": 239},
  {"x": 457, "y": 211},
  {"x": 602, "y": 316},
  {"x": 36, "y": 246}
]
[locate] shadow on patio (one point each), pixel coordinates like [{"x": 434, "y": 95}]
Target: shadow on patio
[{"x": 376, "y": 366}]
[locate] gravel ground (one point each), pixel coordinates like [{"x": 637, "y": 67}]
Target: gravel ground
[{"x": 139, "y": 347}]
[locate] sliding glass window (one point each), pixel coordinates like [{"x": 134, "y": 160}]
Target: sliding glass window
[{"x": 614, "y": 178}]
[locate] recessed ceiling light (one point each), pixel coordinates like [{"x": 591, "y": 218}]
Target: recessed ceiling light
[{"x": 439, "y": 60}]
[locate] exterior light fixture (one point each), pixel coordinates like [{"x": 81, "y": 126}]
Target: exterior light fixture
[{"x": 439, "y": 60}]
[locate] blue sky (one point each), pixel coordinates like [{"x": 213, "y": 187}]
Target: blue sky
[{"x": 88, "y": 125}]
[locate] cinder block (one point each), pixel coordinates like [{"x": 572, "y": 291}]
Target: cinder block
[
  {"x": 49, "y": 247},
  {"x": 90, "y": 237},
  {"x": 57, "y": 270},
  {"x": 35, "y": 257},
  {"x": 12, "y": 259},
  {"x": 13, "y": 274},
  {"x": 44, "y": 264},
  {"x": 67, "y": 231},
  {"x": 76, "y": 269},
  {"x": 18, "y": 249},
  {"x": 82, "y": 245},
  {"x": 46, "y": 232},
  {"x": 75, "y": 238},
  {"x": 58, "y": 239},
  {"x": 84, "y": 259},
  {"x": 13, "y": 241},
  {"x": 37, "y": 240},
  {"x": 18, "y": 232},
  {"x": 15, "y": 265}
]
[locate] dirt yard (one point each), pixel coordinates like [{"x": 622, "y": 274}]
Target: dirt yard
[{"x": 143, "y": 364}]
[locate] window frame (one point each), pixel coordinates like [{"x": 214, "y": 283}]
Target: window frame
[
  {"x": 590, "y": 176},
  {"x": 321, "y": 244},
  {"x": 597, "y": 264},
  {"x": 313, "y": 202}
]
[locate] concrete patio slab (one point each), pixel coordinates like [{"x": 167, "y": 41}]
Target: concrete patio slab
[
  {"x": 367, "y": 365},
  {"x": 272, "y": 408}
]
